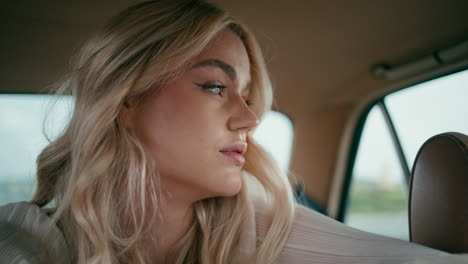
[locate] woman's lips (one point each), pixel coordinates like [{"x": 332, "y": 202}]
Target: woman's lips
[
  {"x": 235, "y": 157},
  {"x": 235, "y": 152}
]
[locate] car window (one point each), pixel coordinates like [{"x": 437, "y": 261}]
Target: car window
[
  {"x": 22, "y": 138},
  {"x": 394, "y": 130},
  {"x": 275, "y": 134},
  {"x": 428, "y": 109},
  {"x": 377, "y": 198},
  {"x": 23, "y": 117}
]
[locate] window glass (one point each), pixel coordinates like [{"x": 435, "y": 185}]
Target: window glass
[
  {"x": 22, "y": 119},
  {"x": 378, "y": 195},
  {"x": 377, "y": 201},
  {"x": 428, "y": 109},
  {"x": 22, "y": 138},
  {"x": 275, "y": 134}
]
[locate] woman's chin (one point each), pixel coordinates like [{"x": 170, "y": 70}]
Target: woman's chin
[{"x": 229, "y": 187}]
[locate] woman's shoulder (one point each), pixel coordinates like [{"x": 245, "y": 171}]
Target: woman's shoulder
[
  {"x": 22, "y": 213},
  {"x": 325, "y": 240},
  {"x": 26, "y": 232},
  {"x": 321, "y": 239}
]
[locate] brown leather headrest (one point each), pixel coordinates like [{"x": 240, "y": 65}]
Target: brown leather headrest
[{"x": 438, "y": 201}]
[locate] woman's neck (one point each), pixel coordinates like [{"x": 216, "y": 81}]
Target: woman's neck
[{"x": 176, "y": 220}]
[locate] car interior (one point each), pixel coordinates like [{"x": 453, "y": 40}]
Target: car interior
[
  {"x": 371, "y": 97},
  {"x": 438, "y": 216}
]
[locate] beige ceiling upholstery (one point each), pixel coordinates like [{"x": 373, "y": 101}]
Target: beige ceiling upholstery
[{"x": 319, "y": 52}]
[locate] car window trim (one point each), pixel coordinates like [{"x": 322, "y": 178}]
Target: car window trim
[{"x": 396, "y": 140}]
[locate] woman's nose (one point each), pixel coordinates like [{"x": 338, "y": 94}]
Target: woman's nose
[{"x": 242, "y": 118}]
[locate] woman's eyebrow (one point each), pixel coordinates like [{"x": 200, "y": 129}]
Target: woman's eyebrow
[
  {"x": 225, "y": 67},
  {"x": 228, "y": 69}
]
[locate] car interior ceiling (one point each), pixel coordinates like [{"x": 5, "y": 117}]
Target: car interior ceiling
[{"x": 321, "y": 56}]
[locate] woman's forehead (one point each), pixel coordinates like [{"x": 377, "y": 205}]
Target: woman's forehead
[{"x": 227, "y": 52}]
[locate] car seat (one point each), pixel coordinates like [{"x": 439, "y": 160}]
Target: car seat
[{"x": 438, "y": 196}]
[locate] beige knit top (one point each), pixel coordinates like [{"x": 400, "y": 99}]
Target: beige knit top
[{"x": 314, "y": 239}]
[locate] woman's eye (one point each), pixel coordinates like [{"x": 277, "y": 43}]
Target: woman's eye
[
  {"x": 213, "y": 88},
  {"x": 216, "y": 89},
  {"x": 248, "y": 102}
]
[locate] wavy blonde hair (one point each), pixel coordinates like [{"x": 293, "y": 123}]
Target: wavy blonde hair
[{"x": 98, "y": 172}]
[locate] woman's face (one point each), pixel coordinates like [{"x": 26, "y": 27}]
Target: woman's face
[{"x": 196, "y": 126}]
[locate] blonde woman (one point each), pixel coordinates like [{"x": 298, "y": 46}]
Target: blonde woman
[{"x": 157, "y": 160}]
